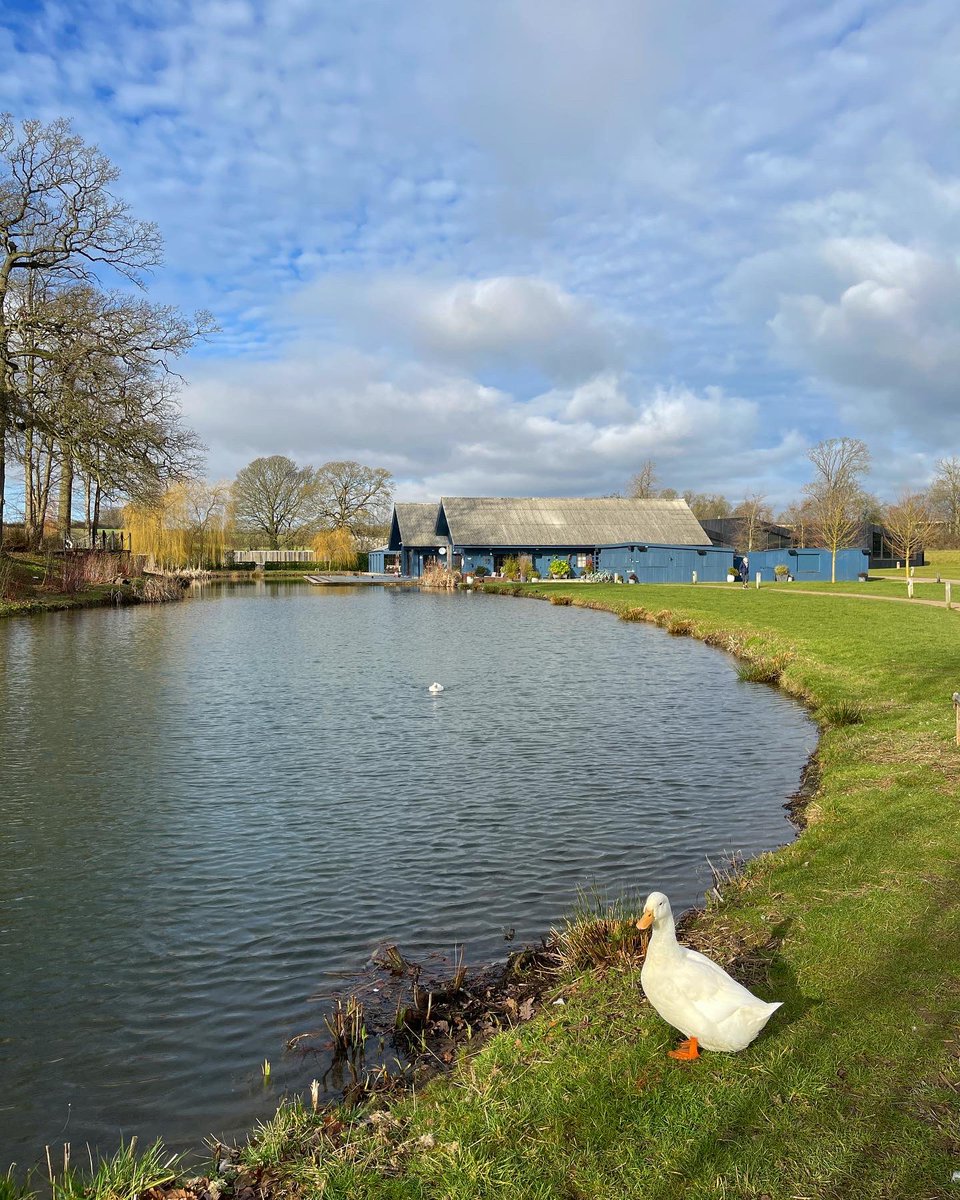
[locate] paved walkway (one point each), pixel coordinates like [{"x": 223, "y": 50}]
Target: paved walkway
[{"x": 791, "y": 589}]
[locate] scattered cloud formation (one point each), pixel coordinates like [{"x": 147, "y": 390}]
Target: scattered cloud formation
[
  {"x": 522, "y": 247},
  {"x": 507, "y": 323}
]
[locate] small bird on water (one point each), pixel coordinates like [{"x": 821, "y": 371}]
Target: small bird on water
[{"x": 435, "y": 687}]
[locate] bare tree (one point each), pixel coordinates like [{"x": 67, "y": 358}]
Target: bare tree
[
  {"x": 100, "y": 396},
  {"x": 352, "y": 496},
  {"x": 799, "y": 519},
  {"x": 909, "y": 524},
  {"x": 275, "y": 498},
  {"x": 643, "y": 485},
  {"x": 59, "y": 217},
  {"x": 944, "y": 498},
  {"x": 707, "y": 505},
  {"x": 836, "y": 495},
  {"x": 753, "y": 513},
  {"x": 840, "y": 462}
]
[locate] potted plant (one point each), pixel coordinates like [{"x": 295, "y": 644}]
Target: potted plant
[
  {"x": 781, "y": 571},
  {"x": 559, "y": 568}
]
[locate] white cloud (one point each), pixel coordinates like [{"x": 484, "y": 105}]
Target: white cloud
[
  {"x": 441, "y": 432},
  {"x": 499, "y": 323},
  {"x": 875, "y": 320}
]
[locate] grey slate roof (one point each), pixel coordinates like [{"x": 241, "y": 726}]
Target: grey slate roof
[
  {"x": 418, "y": 523},
  {"x": 542, "y": 523}
]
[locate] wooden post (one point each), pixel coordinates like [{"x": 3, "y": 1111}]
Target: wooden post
[
  {"x": 909, "y": 589},
  {"x": 947, "y": 595},
  {"x": 956, "y": 709},
  {"x": 758, "y": 581},
  {"x": 694, "y": 579}
]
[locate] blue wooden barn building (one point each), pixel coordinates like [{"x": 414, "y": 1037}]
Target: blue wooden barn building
[{"x": 651, "y": 541}]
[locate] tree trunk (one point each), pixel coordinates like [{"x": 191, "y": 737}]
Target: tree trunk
[
  {"x": 65, "y": 506},
  {"x": 29, "y": 495},
  {"x": 42, "y": 491},
  {"x": 3, "y": 453},
  {"x": 95, "y": 524},
  {"x": 87, "y": 509}
]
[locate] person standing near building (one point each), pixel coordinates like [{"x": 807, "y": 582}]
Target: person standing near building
[{"x": 745, "y": 571}]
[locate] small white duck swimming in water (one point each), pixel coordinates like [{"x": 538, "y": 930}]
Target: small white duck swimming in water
[
  {"x": 692, "y": 993},
  {"x": 435, "y": 688}
]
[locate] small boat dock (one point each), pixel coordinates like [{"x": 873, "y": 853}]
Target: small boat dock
[{"x": 359, "y": 580}]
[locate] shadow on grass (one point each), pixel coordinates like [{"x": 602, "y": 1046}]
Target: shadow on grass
[{"x": 782, "y": 981}]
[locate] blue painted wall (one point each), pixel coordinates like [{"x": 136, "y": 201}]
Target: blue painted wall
[
  {"x": 810, "y": 565},
  {"x": 667, "y": 564},
  {"x": 655, "y": 564}
]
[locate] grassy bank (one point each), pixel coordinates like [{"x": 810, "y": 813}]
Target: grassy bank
[
  {"x": 34, "y": 583},
  {"x": 853, "y": 1090}
]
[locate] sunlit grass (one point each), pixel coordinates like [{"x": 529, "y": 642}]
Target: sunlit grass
[
  {"x": 851, "y": 1090},
  {"x": 125, "y": 1175}
]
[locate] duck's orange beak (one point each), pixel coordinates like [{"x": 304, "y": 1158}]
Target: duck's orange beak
[{"x": 646, "y": 920}]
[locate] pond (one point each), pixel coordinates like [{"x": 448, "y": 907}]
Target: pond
[{"x": 211, "y": 812}]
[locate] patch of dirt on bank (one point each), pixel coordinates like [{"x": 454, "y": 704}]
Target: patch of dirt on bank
[
  {"x": 417, "y": 1016},
  {"x": 800, "y": 807}
]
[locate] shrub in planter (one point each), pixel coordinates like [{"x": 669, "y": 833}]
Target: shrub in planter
[
  {"x": 510, "y": 568},
  {"x": 534, "y": 575},
  {"x": 559, "y": 568},
  {"x": 480, "y": 572},
  {"x": 781, "y": 570}
]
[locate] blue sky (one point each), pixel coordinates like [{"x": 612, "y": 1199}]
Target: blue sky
[{"x": 519, "y": 246}]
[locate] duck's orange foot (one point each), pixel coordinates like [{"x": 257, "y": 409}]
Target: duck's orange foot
[{"x": 686, "y": 1051}]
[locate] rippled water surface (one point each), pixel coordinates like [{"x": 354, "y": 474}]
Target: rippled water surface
[{"x": 209, "y": 811}]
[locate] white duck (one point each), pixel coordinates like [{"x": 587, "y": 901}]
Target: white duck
[
  {"x": 435, "y": 688},
  {"x": 692, "y": 993}
]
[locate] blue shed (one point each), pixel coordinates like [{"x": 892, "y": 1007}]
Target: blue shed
[{"x": 812, "y": 565}]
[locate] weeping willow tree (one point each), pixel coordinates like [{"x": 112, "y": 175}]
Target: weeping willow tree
[
  {"x": 184, "y": 526},
  {"x": 336, "y": 549}
]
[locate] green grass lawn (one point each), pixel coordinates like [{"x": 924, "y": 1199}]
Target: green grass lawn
[
  {"x": 947, "y": 562},
  {"x": 853, "y": 1089}
]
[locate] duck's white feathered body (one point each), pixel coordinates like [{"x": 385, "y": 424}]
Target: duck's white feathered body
[{"x": 695, "y": 995}]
